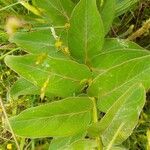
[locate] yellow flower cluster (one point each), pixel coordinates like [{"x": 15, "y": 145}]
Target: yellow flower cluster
[
  {"x": 67, "y": 25},
  {"x": 43, "y": 89},
  {"x": 9, "y": 146},
  {"x": 59, "y": 45}
]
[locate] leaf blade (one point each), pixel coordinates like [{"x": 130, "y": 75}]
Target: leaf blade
[
  {"x": 37, "y": 42},
  {"x": 124, "y": 5},
  {"x": 110, "y": 84},
  {"x": 57, "y": 12},
  {"x": 107, "y": 16},
  {"x": 82, "y": 144},
  {"x": 109, "y": 59},
  {"x": 59, "y": 75},
  {"x": 54, "y": 119},
  {"x": 115, "y": 43},
  {"x": 122, "y": 117},
  {"x": 23, "y": 87},
  {"x": 85, "y": 40}
]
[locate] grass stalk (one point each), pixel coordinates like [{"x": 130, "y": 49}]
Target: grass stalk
[
  {"x": 9, "y": 125},
  {"x": 95, "y": 120}
]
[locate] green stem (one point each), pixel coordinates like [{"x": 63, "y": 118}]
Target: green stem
[
  {"x": 33, "y": 145},
  {"x": 95, "y": 120},
  {"x": 45, "y": 28},
  {"x": 109, "y": 147},
  {"x": 145, "y": 28},
  {"x": 9, "y": 6},
  {"x": 9, "y": 53},
  {"x": 22, "y": 143},
  {"x": 102, "y": 2},
  {"x": 9, "y": 125}
]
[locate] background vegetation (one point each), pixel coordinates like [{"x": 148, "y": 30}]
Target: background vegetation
[{"x": 123, "y": 26}]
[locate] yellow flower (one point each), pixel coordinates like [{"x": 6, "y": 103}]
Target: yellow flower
[
  {"x": 9, "y": 146},
  {"x": 66, "y": 50},
  {"x": 67, "y": 25},
  {"x": 58, "y": 44},
  {"x": 43, "y": 89}
]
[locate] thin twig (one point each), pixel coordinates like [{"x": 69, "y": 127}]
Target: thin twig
[
  {"x": 9, "y": 53},
  {"x": 54, "y": 33},
  {"x": 9, "y": 6},
  {"x": 7, "y": 120},
  {"x": 141, "y": 31}
]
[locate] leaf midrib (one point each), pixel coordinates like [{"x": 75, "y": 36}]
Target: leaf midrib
[
  {"x": 118, "y": 50},
  {"x": 103, "y": 71},
  {"x": 63, "y": 13},
  {"x": 118, "y": 66},
  {"x": 53, "y": 116},
  {"x": 35, "y": 43},
  {"x": 116, "y": 110},
  {"x": 125, "y": 83},
  {"x": 47, "y": 72},
  {"x": 86, "y": 34}
]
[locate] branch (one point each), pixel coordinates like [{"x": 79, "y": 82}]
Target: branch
[
  {"x": 7, "y": 120},
  {"x": 141, "y": 31}
]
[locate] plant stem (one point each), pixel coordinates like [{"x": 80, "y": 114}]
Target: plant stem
[
  {"x": 9, "y": 6},
  {"x": 95, "y": 120},
  {"x": 7, "y": 120},
  {"x": 9, "y": 53},
  {"x": 32, "y": 145},
  {"x": 109, "y": 147},
  {"x": 102, "y": 2},
  {"x": 141, "y": 31},
  {"x": 54, "y": 33}
]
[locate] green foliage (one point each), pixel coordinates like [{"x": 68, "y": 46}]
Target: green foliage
[
  {"x": 33, "y": 42},
  {"x": 95, "y": 74},
  {"x": 121, "y": 117},
  {"x": 107, "y": 11},
  {"x": 85, "y": 41},
  {"x": 23, "y": 87},
  {"x": 57, "y": 119},
  {"x": 63, "y": 142},
  {"x": 82, "y": 144},
  {"x": 56, "y": 12},
  {"x": 121, "y": 6},
  {"x": 124, "y": 5},
  {"x": 110, "y": 84},
  {"x": 60, "y": 77},
  {"x": 116, "y": 43}
]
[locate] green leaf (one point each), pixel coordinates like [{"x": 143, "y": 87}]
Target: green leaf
[
  {"x": 60, "y": 143},
  {"x": 86, "y": 34},
  {"x": 23, "y": 87},
  {"x": 58, "y": 77},
  {"x": 113, "y": 82},
  {"x": 114, "y": 43},
  {"x": 107, "y": 12},
  {"x": 116, "y": 148},
  {"x": 75, "y": 1},
  {"x": 121, "y": 118},
  {"x": 56, "y": 12},
  {"x": 82, "y": 145},
  {"x": 123, "y": 6},
  {"x": 37, "y": 42},
  {"x": 109, "y": 59},
  {"x": 66, "y": 117}
]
